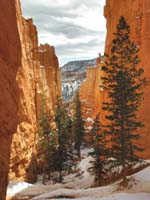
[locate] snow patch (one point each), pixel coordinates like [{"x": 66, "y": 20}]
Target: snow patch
[
  {"x": 83, "y": 178},
  {"x": 89, "y": 128},
  {"x": 89, "y": 119},
  {"x": 93, "y": 192},
  {"x": 143, "y": 175},
  {"x": 16, "y": 186},
  {"x": 80, "y": 183},
  {"x": 126, "y": 196}
]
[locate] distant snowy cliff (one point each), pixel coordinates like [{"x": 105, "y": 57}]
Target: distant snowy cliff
[{"x": 73, "y": 74}]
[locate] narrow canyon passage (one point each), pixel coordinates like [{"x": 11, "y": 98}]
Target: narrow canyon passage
[{"x": 56, "y": 134}]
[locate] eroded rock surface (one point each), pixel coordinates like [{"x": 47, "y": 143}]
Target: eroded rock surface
[
  {"x": 37, "y": 78},
  {"x": 92, "y": 95},
  {"x": 10, "y": 61}
]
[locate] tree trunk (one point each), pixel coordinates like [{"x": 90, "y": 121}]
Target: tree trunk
[
  {"x": 44, "y": 176},
  {"x": 99, "y": 177},
  {"x": 124, "y": 172},
  {"x": 49, "y": 175},
  {"x": 60, "y": 176}
]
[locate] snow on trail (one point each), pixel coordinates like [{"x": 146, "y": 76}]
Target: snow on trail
[
  {"x": 118, "y": 196},
  {"x": 33, "y": 190},
  {"x": 84, "y": 179},
  {"x": 92, "y": 192},
  {"x": 125, "y": 196},
  {"x": 143, "y": 175},
  {"x": 15, "y": 186},
  {"x": 78, "y": 185},
  {"x": 139, "y": 189},
  {"x": 88, "y": 179},
  {"x": 140, "y": 181}
]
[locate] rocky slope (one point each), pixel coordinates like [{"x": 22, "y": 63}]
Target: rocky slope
[
  {"x": 137, "y": 14},
  {"x": 73, "y": 74},
  {"x": 27, "y": 72}
]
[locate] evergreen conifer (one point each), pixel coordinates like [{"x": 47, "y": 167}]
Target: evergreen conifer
[
  {"x": 62, "y": 155},
  {"x": 122, "y": 81},
  {"x": 99, "y": 151},
  {"x": 78, "y": 126}
]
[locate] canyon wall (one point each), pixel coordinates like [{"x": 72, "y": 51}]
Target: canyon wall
[
  {"x": 27, "y": 72},
  {"x": 91, "y": 96},
  {"x": 10, "y": 61},
  {"x": 37, "y": 77},
  {"x": 50, "y": 74},
  {"x": 90, "y": 93},
  {"x": 23, "y": 161},
  {"x": 137, "y": 14}
]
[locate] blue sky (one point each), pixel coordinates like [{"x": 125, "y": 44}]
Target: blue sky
[{"x": 76, "y": 28}]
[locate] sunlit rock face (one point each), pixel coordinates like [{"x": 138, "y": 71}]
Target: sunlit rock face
[
  {"x": 73, "y": 74},
  {"x": 50, "y": 73},
  {"x": 23, "y": 161},
  {"x": 10, "y": 61},
  {"x": 91, "y": 95},
  {"x": 38, "y": 78},
  {"x": 137, "y": 14}
]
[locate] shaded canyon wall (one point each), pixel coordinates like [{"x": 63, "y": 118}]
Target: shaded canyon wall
[{"x": 10, "y": 61}]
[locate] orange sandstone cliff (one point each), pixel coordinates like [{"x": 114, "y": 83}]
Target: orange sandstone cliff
[
  {"x": 137, "y": 14},
  {"x": 10, "y": 61},
  {"x": 91, "y": 98},
  {"x": 23, "y": 161},
  {"x": 50, "y": 73},
  {"x": 37, "y": 75},
  {"x": 91, "y": 95}
]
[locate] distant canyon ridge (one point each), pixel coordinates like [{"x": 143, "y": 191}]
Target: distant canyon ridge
[{"x": 72, "y": 75}]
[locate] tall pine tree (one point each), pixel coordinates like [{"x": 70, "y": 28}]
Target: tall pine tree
[
  {"x": 122, "y": 81},
  {"x": 78, "y": 126},
  {"x": 99, "y": 151},
  {"x": 62, "y": 155},
  {"x": 47, "y": 140}
]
